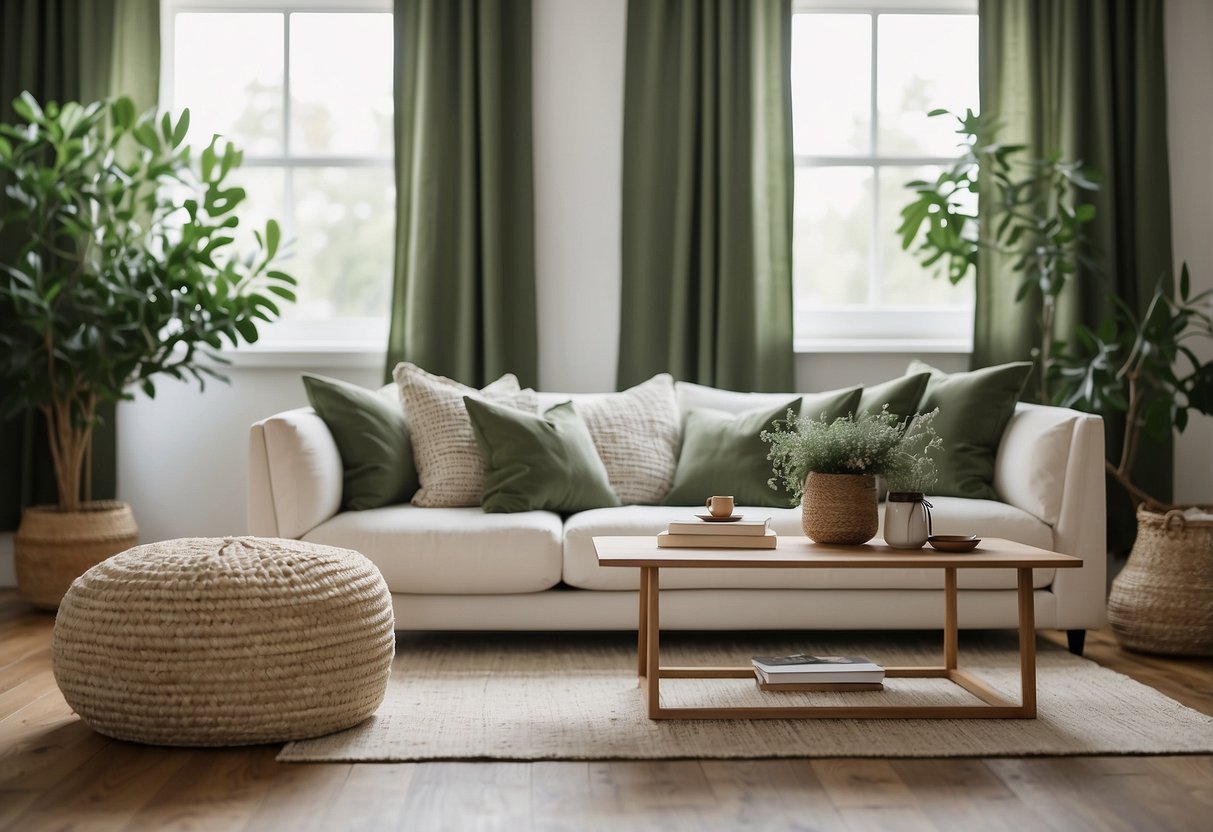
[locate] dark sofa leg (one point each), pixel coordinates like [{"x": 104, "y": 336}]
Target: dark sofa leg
[{"x": 1076, "y": 640}]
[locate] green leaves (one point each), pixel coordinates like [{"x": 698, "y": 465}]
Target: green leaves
[{"x": 127, "y": 267}]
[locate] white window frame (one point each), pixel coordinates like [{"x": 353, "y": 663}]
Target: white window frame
[
  {"x": 340, "y": 341},
  {"x": 878, "y": 329}
]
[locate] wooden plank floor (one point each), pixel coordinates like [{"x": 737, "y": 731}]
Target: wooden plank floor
[{"x": 57, "y": 774}]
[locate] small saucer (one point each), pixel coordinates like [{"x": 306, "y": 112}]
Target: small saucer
[
  {"x": 711, "y": 518},
  {"x": 954, "y": 542}
]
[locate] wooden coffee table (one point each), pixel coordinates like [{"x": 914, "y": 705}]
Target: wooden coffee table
[{"x": 802, "y": 553}]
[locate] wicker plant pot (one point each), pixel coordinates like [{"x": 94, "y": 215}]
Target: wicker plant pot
[
  {"x": 839, "y": 508},
  {"x": 52, "y": 548},
  {"x": 1162, "y": 601}
]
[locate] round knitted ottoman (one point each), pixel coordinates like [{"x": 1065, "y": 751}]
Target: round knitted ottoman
[{"x": 225, "y": 641}]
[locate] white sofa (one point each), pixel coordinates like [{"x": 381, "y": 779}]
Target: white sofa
[{"x": 462, "y": 569}]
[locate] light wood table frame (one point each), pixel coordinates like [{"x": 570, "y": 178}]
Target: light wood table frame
[{"x": 802, "y": 553}]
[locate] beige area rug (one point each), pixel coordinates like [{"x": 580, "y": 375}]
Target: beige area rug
[{"x": 576, "y": 697}]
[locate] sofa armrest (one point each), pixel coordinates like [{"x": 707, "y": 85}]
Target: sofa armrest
[
  {"x": 295, "y": 475},
  {"x": 1051, "y": 464}
]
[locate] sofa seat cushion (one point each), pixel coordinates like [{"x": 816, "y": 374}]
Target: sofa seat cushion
[
  {"x": 952, "y": 516},
  {"x": 458, "y": 551}
]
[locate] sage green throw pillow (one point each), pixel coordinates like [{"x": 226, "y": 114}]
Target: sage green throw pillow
[
  {"x": 902, "y": 395},
  {"x": 372, "y": 438},
  {"x": 723, "y": 454},
  {"x": 974, "y": 409},
  {"x": 538, "y": 462}
]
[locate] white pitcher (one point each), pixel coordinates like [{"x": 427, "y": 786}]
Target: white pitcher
[{"x": 907, "y": 519}]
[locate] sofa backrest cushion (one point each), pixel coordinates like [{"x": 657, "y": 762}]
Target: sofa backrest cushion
[{"x": 829, "y": 405}]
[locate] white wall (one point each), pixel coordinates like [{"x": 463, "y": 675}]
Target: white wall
[
  {"x": 1190, "y": 134},
  {"x": 182, "y": 456}
]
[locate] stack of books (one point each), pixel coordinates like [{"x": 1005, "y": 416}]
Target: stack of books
[
  {"x": 746, "y": 533},
  {"x": 804, "y": 672}
]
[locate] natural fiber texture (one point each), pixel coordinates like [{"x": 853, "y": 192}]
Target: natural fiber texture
[
  {"x": 225, "y": 641},
  {"x": 1162, "y": 601},
  {"x": 53, "y": 548},
  {"x": 839, "y": 508},
  {"x": 575, "y": 697}
]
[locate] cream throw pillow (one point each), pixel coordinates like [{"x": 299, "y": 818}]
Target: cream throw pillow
[
  {"x": 449, "y": 465},
  {"x": 637, "y": 433}
]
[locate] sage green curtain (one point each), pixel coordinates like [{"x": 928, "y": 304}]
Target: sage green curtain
[
  {"x": 1087, "y": 79},
  {"x": 463, "y": 300},
  {"x": 68, "y": 50},
  {"x": 707, "y": 193}
]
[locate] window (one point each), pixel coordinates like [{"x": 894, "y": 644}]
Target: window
[
  {"x": 862, "y": 83},
  {"x": 306, "y": 92}
]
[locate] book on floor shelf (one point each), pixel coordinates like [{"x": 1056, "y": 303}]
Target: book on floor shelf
[
  {"x": 805, "y": 669},
  {"x": 745, "y": 527},
  {"x": 665, "y": 540}
]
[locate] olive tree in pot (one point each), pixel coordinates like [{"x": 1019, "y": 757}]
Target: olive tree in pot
[{"x": 120, "y": 268}]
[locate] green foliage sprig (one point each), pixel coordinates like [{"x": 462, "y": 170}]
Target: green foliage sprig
[
  {"x": 880, "y": 444},
  {"x": 118, "y": 265}
]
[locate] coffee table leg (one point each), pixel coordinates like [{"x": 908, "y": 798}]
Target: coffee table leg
[
  {"x": 642, "y": 630},
  {"x": 1027, "y": 643},
  {"x": 652, "y": 669},
  {"x": 949, "y": 618}
]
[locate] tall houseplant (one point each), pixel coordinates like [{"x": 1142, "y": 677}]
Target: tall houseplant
[
  {"x": 124, "y": 271},
  {"x": 1036, "y": 214}
]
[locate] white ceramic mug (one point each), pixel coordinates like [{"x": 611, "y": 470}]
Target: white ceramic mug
[{"x": 719, "y": 506}]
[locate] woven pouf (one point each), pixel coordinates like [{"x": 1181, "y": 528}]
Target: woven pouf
[{"x": 225, "y": 641}]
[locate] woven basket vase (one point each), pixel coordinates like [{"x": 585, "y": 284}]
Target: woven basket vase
[
  {"x": 52, "y": 548},
  {"x": 225, "y": 641},
  {"x": 839, "y": 508},
  {"x": 1162, "y": 601}
]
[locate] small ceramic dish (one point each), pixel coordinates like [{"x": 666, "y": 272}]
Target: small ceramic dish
[
  {"x": 954, "y": 542},
  {"x": 712, "y": 518}
]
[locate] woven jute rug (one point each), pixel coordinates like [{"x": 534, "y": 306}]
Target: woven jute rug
[{"x": 576, "y": 697}]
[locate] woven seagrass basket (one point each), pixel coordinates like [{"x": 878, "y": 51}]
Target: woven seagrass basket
[
  {"x": 52, "y": 548},
  {"x": 1162, "y": 601},
  {"x": 839, "y": 508}
]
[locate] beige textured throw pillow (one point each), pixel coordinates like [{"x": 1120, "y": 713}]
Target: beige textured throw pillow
[
  {"x": 637, "y": 433},
  {"x": 449, "y": 465}
]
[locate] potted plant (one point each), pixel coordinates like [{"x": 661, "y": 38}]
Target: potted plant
[
  {"x": 1144, "y": 366},
  {"x": 832, "y": 467},
  {"x": 119, "y": 269},
  {"x": 1034, "y": 216}
]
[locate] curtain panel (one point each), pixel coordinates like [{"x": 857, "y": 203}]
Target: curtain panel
[
  {"x": 1086, "y": 79},
  {"x": 66, "y": 50},
  {"x": 707, "y": 194},
  {"x": 463, "y": 298}
]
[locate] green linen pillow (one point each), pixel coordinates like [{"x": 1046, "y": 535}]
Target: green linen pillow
[
  {"x": 831, "y": 405},
  {"x": 372, "y": 438},
  {"x": 902, "y": 395},
  {"x": 723, "y": 454},
  {"x": 538, "y": 462},
  {"x": 974, "y": 409}
]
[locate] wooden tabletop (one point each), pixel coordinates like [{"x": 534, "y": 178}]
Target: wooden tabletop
[{"x": 802, "y": 553}]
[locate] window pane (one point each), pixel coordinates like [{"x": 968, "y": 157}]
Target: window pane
[
  {"x": 831, "y": 83},
  {"x": 265, "y": 200},
  {"x": 832, "y": 235},
  {"x": 227, "y": 68},
  {"x": 904, "y": 281},
  {"x": 344, "y": 225},
  {"x": 341, "y": 84},
  {"x": 925, "y": 61}
]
